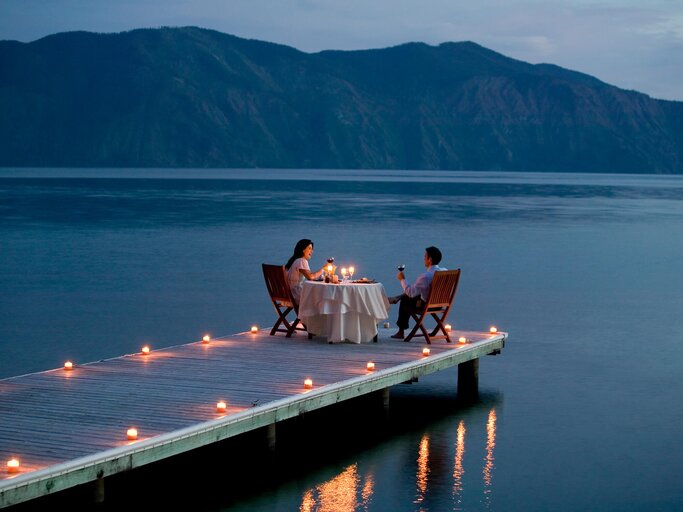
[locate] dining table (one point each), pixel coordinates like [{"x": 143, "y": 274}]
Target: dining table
[{"x": 343, "y": 312}]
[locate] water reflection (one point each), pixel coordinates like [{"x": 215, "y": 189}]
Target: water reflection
[
  {"x": 422, "y": 469},
  {"x": 351, "y": 491},
  {"x": 346, "y": 492},
  {"x": 191, "y": 202},
  {"x": 488, "y": 460},
  {"x": 458, "y": 468}
]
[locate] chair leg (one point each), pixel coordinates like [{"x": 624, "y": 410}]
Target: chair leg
[
  {"x": 280, "y": 319},
  {"x": 291, "y": 327},
  {"x": 418, "y": 326},
  {"x": 440, "y": 327}
]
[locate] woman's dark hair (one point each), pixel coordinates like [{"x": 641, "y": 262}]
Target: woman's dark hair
[
  {"x": 434, "y": 254},
  {"x": 298, "y": 251}
]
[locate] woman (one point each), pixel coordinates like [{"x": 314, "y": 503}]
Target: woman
[{"x": 297, "y": 267}]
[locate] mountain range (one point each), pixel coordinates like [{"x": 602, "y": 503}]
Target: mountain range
[{"x": 191, "y": 97}]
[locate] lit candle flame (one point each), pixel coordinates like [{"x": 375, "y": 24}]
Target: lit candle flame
[
  {"x": 308, "y": 383},
  {"x": 68, "y": 365},
  {"x": 221, "y": 406},
  {"x": 13, "y": 465},
  {"x": 426, "y": 351},
  {"x": 462, "y": 339},
  {"x": 448, "y": 327},
  {"x": 254, "y": 329},
  {"x": 145, "y": 350},
  {"x": 370, "y": 366},
  {"x": 132, "y": 434},
  {"x": 206, "y": 338},
  {"x": 493, "y": 330}
]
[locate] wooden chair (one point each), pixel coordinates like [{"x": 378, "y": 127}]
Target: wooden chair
[
  {"x": 281, "y": 296},
  {"x": 439, "y": 302}
]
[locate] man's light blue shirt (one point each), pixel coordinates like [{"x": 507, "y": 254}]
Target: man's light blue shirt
[{"x": 422, "y": 284}]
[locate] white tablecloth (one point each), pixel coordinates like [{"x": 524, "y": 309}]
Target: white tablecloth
[{"x": 343, "y": 312}]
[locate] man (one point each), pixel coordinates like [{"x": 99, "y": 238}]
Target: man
[{"x": 414, "y": 296}]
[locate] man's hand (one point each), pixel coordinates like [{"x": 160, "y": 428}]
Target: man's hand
[{"x": 400, "y": 276}]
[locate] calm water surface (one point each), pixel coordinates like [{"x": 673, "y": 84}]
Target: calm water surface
[{"x": 583, "y": 409}]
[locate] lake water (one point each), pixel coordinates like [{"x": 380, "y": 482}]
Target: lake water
[{"x": 582, "y": 410}]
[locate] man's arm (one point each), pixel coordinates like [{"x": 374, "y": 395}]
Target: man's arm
[{"x": 421, "y": 284}]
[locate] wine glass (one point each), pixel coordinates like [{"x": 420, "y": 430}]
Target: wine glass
[{"x": 351, "y": 271}]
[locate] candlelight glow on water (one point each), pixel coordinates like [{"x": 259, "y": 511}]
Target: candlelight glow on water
[
  {"x": 489, "y": 459},
  {"x": 458, "y": 466},
  {"x": 422, "y": 475},
  {"x": 347, "y": 491}
]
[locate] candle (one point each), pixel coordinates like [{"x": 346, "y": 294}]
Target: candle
[
  {"x": 425, "y": 351},
  {"x": 68, "y": 365},
  {"x": 448, "y": 327},
  {"x": 206, "y": 338},
  {"x": 221, "y": 406},
  {"x": 462, "y": 339},
  {"x": 351, "y": 271},
  {"x": 493, "y": 330},
  {"x": 132, "y": 434},
  {"x": 308, "y": 384},
  {"x": 254, "y": 329},
  {"x": 370, "y": 366},
  {"x": 329, "y": 269},
  {"x": 13, "y": 465},
  {"x": 145, "y": 350}
]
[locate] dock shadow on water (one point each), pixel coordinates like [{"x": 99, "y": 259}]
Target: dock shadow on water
[{"x": 357, "y": 455}]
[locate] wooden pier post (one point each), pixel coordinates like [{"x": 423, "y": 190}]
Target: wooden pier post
[
  {"x": 385, "y": 398},
  {"x": 98, "y": 490},
  {"x": 468, "y": 380},
  {"x": 271, "y": 436}
]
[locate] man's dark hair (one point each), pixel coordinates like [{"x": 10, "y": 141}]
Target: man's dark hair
[{"x": 434, "y": 254}]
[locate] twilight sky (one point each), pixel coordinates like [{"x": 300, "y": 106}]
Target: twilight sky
[{"x": 633, "y": 44}]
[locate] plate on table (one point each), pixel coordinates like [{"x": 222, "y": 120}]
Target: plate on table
[{"x": 364, "y": 280}]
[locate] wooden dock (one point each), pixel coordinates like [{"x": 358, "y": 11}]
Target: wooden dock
[{"x": 69, "y": 427}]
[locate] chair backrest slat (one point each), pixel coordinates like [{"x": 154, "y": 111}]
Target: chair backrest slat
[
  {"x": 276, "y": 282},
  {"x": 444, "y": 286}
]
